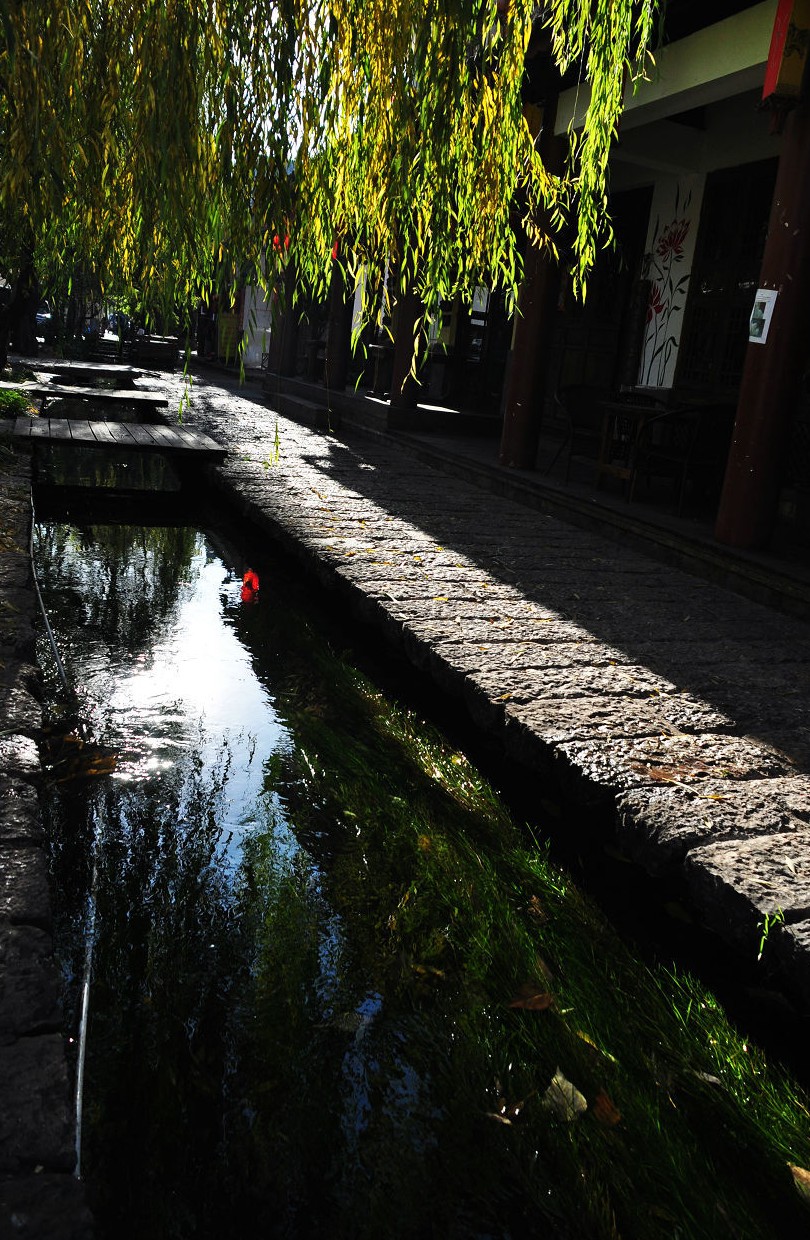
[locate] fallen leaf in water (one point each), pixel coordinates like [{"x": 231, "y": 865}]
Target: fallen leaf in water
[
  {"x": 564, "y": 1099},
  {"x": 428, "y": 970},
  {"x": 801, "y": 1178},
  {"x": 604, "y": 1111},
  {"x": 532, "y": 998},
  {"x": 590, "y": 1042}
]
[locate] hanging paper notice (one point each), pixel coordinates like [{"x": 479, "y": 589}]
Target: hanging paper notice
[{"x": 761, "y": 315}]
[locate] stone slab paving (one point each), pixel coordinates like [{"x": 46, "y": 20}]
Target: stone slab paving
[
  {"x": 677, "y": 707},
  {"x": 39, "y": 1196}
]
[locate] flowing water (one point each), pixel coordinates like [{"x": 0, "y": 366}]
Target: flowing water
[
  {"x": 317, "y": 1005},
  {"x": 249, "y": 1052}
]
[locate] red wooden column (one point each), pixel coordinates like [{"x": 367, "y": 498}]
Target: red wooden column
[
  {"x": 531, "y": 341},
  {"x": 772, "y": 373}
]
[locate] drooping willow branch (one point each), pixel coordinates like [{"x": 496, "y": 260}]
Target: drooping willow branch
[{"x": 159, "y": 143}]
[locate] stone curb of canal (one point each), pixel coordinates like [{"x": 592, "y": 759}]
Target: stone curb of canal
[
  {"x": 683, "y": 783},
  {"x": 39, "y": 1196}
]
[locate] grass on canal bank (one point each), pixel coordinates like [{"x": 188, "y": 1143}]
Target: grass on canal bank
[{"x": 573, "y": 1091}]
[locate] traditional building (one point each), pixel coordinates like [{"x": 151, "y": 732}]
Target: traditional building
[{"x": 693, "y": 345}]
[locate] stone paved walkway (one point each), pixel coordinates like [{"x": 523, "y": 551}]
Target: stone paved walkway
[{"x": 678, "y": 705}]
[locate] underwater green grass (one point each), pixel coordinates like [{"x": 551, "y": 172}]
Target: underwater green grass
[
  {"x": 688, "y": 1131},
  {"x": 393, "y": 1018}
]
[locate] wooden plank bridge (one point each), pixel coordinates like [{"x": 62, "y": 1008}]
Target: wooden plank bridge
[
  {"x": 150, "y": 437},
  {"x": 144, "y": 398}
]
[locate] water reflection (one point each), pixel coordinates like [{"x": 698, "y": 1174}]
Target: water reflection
[{"x": 311, "y": 917}]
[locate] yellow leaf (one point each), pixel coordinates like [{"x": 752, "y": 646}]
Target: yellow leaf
[{"x": 801, "y": 1178}]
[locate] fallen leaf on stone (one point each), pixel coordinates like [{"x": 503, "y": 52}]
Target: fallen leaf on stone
[
  {"x": 564, "y": 1099},
  {"x": 801, "y": 1178},
  {"x": 604, "y": 1111},
  {"x": 531, "y": 998}
]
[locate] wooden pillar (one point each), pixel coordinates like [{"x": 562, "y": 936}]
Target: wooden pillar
[
  {"x": 407, "y": 328},
  {"x": 288, "y": 332},
  {"x": 769, "y": 391},
  {"x": 338, "y": 332},
  {"x": 531, "y": 341}
]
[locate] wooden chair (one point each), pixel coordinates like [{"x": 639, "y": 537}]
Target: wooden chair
[
  {"x": 581, "y": 408},
  {"x": 689, "y": 446}
]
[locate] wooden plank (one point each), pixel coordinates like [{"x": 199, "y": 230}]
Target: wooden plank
[
  {"x": 102, "y": 433},
  {"x": 114, "y": 396},
  {"x": 120, "y": 432},
  {"x": 204, "y": 443},
  {"x": 163, "y": 435},
  {"x": 81, "y": 432},
  {"x": 59, "y": 429},
  {"x": 141, "y": 434},
  {"x": 182, "y": 435},
  {"x": 75, "y": 372}
]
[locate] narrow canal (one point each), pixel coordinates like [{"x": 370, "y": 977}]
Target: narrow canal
[{"x": 334, "y": 988}]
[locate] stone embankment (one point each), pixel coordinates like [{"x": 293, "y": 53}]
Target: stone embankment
[
  {"x": 39, "y": 1197},
  {"x": 675, "y": 708}
]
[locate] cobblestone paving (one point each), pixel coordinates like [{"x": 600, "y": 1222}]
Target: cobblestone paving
[{"x": 681, "y": 707}]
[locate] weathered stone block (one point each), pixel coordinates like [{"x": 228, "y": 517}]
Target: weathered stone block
[
  {"x": 658, "y": 825},
  {"x": 20, "y": 819},
  {"x": 737, "y": 883},
  {"x": 19, "y": 709},
  {"x": 658, "y": 759},
  {"x": 19, "y": 757},
  {"x": 44, "y": 1206},
  {"x": 35, "y": 1115},
  {"x": 30, "y": 986},
  {"x": 24, "y": 893},
  {"x": 788, "y": 949}
]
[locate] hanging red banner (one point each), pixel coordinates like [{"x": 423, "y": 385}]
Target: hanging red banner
[{"x": 789, "y": 47}]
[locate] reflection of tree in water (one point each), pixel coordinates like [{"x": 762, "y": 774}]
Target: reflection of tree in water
[
  {"x": 168, "y": 958},
  {"x": 122, "y": 581}
]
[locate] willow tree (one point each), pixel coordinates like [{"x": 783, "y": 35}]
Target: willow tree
[{"x": 158, "y": 143}]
